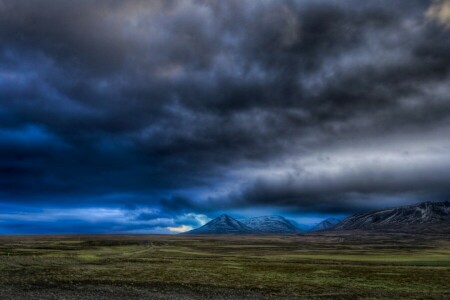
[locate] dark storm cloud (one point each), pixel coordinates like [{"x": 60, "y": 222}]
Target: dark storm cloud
[{"x": 207, "y": 105}]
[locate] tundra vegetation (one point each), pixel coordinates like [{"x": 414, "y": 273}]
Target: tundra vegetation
[{"x": 342, "y": 265}]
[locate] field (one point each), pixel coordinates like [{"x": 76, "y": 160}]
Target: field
[{"x": 327, "y": 266}]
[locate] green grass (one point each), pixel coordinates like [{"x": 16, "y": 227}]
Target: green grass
[{"x": 343, "y": 266}]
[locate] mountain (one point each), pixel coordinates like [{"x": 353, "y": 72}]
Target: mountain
[
  {"x": 326, "y": 224},
  {"x": 270, "y": 224},
  {"x": 427, "y": 216},
  {"x": 259, "y": 225},
  {"x": 222, "y": 225}
]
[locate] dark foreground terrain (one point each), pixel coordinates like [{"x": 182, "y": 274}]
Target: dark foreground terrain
[{"x": 350, "y": 265}]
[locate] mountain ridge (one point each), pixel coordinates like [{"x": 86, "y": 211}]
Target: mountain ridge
[
  {"x": 271, "y": 224},
  {"x": 433, "y": 217},
  {"x": 416, "y": 217}
]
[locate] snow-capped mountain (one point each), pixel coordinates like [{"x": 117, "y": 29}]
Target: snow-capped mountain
[
  {"x": 326, "y": 224},
  {"x": 259, "y": 225},
  {"x": 405, "y": 217},
  {"x": 222, "y": 225},
  {"x": 271, "y": 224},
  {"x": 424, "y": 217}
]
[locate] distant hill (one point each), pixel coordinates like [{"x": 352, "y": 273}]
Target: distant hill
[
  {"x": 271, "y": 224},
  {"x": 423, "y": 217},
  {"x": 222, "y": 225},
  {"x": 326, "y": 224}
]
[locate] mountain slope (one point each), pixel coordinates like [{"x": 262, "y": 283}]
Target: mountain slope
[
  {"x": 222, "y": 225},
  {"x": 420, "y": 217},
  {"x": 326, "y": 224},
  {"x": 270, "y": 224}
]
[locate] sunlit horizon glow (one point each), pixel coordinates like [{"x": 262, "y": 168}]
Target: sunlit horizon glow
[{"x": 180, "y": 229}]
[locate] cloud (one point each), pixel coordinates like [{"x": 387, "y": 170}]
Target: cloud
[
  {"x": 440, "y": 11},
  {"x": 23, "y": 220},
  {"x": 193, "y": 107}
]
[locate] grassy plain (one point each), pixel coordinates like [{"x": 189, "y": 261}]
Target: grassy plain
[{"x": 350, "y": 265}]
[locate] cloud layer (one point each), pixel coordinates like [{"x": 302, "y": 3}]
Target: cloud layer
[{"x": 201, "y": 106}]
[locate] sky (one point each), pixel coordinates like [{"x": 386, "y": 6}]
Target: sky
[{"x": 156, "y": 116}]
